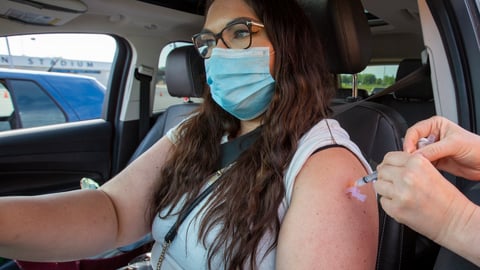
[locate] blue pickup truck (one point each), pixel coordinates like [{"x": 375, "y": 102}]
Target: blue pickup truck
[{"x": 37, "y": 98}]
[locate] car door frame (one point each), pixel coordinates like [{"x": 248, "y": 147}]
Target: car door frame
[{"x": 456, "y": 21}]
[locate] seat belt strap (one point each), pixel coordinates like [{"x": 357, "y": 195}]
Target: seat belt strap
[
  {"x": 144, "y": 74},
  {"x": 416, "y": 76},
  {"x": 229, "y": 152}
]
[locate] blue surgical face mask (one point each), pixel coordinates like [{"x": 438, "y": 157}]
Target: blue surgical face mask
[{"x": 240, "y": 80}]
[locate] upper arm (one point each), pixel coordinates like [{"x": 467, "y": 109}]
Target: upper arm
[
  {"x": 324, "y": 228},
  {"x": 131, "y": 190}
]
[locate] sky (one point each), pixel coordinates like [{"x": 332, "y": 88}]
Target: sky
[{"x": 72, "y": 46}]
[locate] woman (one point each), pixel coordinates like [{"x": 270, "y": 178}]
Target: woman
[{"x": 281, "y": 205}]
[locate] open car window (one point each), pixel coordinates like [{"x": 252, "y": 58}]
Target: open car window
[{"x": 54, "y": 78}]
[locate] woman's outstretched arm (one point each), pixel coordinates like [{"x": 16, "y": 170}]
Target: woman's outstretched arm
[{"x": 61, "y": 226}]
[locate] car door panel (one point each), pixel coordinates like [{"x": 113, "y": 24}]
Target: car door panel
[{"x": 54, "y": 158}]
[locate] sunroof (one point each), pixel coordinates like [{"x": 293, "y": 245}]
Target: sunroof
[
  {"x": 374, "y": 20},
  {"x": 198, "y": 7},
  {"x": 190, "y": 6}
]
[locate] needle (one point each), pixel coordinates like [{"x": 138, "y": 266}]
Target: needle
[{"x": 373, "y": 176}]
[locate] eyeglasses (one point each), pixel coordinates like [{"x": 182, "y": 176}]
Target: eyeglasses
[{"x": 237, "y": 35}]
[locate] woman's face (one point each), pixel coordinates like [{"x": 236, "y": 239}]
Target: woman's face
[{"x": 222, "y": 12}]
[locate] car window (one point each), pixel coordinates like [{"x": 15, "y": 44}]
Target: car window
[
  {"x": 35, "y": 106},
  {"x": 55, "y": 78},
  {"x": 162, "y": 98},
  {"x": 373, "y": 78}
]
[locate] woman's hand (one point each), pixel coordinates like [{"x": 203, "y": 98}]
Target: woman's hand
[{"x": 456, "y": 150}]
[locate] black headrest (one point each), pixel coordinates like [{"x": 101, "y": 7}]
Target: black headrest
[
  {"x": 344, "y": 28},
  {"x": 185, "y": 72},
  {"x": 421, "y": 90}
]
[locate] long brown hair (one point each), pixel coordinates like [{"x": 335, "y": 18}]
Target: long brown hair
[{"x": 246, "y": 200}]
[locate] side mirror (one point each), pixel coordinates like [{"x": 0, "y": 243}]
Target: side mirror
[
  {"x": 6, "y": 109},
  {"x": 6, "y": 104}
]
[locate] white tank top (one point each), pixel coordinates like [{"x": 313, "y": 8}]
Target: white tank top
[{"x": 188, "y": 252}]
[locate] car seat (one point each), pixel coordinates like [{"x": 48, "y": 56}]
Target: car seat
[
  {"x": 414, "y": 102},
  {"x": 375, "y": 128},
  {"x": 346, "y": 93},
  {"x": 185, "y": 78}
]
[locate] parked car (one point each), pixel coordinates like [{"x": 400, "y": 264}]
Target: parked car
[
  {"x": 36, "y": 98},
  {"x": 440, "y": 35}
]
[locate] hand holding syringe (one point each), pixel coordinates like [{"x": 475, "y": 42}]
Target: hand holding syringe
[
  {"x": 373, "y": 176},
  {"x": 353, "y": 189}
]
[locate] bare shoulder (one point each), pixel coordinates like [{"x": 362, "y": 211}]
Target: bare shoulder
[
  {"x": 332, "y": 167},
  {"x": 321, "y": 212},
  {"x": 325, "y": 177}
]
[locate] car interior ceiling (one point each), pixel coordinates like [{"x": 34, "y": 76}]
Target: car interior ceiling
[{"x": 399, "y": 19}]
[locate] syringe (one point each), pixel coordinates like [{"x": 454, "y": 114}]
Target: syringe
[{"x": 373, "y": 176}]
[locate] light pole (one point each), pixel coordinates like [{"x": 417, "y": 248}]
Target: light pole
[{"x": 10, "y": 58}]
